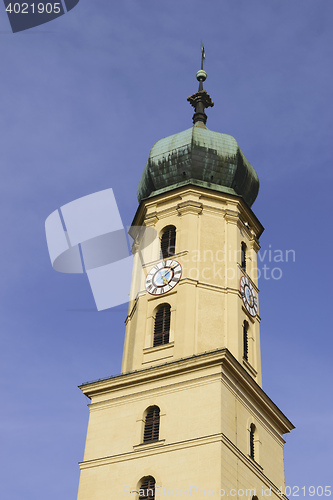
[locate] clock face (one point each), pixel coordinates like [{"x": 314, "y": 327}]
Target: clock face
[
  {"x": 248, "y": 296},
  {"x": 163, "y": 277}
]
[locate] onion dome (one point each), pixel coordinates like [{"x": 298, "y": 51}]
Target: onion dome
[{"x": 200, "y": 157}]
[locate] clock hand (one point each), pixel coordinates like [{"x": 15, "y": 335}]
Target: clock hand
[
  {"x": 166, "y": 272},
  {"x": 170, "y": 269}
]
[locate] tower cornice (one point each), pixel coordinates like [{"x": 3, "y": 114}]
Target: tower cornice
[
  {"x": 189, "y": 207},
  {"x": 202, "y": 196},
  {"x": 100, "y": 391}
]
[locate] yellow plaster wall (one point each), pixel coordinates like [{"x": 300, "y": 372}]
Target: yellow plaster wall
[
  {"x": 210, "y": 228},
  {"x": 197, "y": 407},
  {"x": 206, "y": 407}
]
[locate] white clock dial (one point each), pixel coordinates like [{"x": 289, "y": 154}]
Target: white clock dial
[
  {"x": 248, "y": 296},
  {"x": 163, "y": 277}
]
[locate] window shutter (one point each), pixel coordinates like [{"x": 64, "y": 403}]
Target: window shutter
[
  {"x": 252, "y": 430},
  {"x": 243, "y": 256},
  {"x": 245, "y": 342},
  {"x": 147, "y": 488},
  {"x": 152, "y": 425},
  {"x": 162, "y": 325},
  {"x": 168, "y": 242}
]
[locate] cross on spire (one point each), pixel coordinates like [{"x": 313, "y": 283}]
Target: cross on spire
[{"x": 203, "y": 55}]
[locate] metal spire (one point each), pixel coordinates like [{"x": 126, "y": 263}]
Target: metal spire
[
  {"x": 203, "y": 55},
  {"x": 201, "y": 100}
]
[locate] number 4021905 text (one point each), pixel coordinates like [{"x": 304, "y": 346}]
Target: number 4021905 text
[{"x": 34, "y": 8}]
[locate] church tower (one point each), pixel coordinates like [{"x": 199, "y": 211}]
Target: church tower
[{"x": 187, "y": 417}]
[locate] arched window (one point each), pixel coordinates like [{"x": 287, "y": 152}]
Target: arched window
[
  {"x": 168, "y": 242},
  {"x": 252, "y": 433},
  {"x": 152, "y": 425},
  {"x": 162, "y": 325},
  {"x": 245, "y": 341},
  {"x": 147, "y": 488},
  {"x": 243, "y": 256}
]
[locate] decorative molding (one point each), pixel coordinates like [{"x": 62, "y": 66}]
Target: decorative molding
[
  {"x": 221, "y": 358},
  {"x": 189, "y": 207},
  {"x": 190, "y": 190},
  {"x": 231, "y": 216},
  {"x": 219, "y": 212},
  {"x": 167, "y": 212},
  {"x": 254, "y": 244},
  {"x": 151, "y": 219},
  {"x": 252, "y": 465},
  {"x": 156, "y": 392}
]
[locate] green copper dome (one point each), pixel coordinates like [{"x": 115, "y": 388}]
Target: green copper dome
[{"x": 201, "y": 157}]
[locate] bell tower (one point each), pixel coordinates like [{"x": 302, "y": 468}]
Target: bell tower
[{"x": 187, "y": 416}]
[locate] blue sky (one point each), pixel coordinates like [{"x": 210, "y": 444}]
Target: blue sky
[{"x": 82, "y": 101}]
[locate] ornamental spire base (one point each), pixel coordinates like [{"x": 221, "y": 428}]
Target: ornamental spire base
[{"x": 201, "y": 100}]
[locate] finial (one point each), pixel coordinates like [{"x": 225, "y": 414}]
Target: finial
[{"x": 201, "y": 99}]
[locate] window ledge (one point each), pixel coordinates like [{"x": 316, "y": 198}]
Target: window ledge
[
  {"x": 146, "y": 446},
  {"x": 158, "y": 353},
  {"x": 255, "y": 463},
  {"x": 250, "y": 368},
  {"x": 157, "y": 348}
]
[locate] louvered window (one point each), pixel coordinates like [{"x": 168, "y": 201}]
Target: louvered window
[
  {"x": 243, "y": 256},
  {"x": 245, "y": 341},
  {"x": 252, "y": 432},
  {"x": 147, "y": 488},
  {"x": 168, "y": 242},
  {"x": 152, "y": 425},
  {"x": 162, "y": 325}
]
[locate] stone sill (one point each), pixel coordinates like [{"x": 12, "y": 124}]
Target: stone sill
[
  {"x": 250, "y": 368},
  {"x": 147, "y": 446},
  {"x": 151, "y": 354}
]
